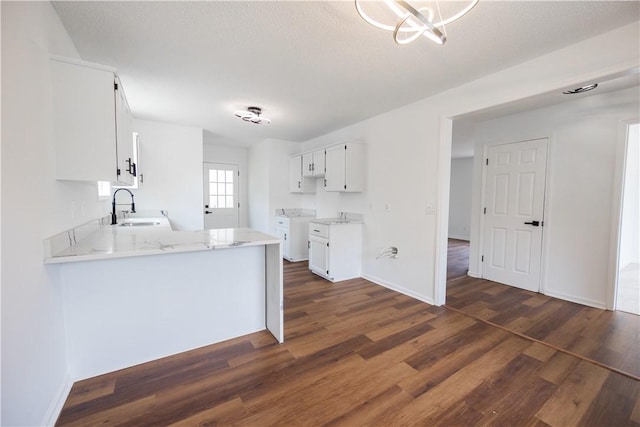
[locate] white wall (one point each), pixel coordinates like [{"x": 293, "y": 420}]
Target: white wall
[
  {"x": 400, "y": 165},
  {"x": 409, "y": 157},
  {"x": 34, "y": 207},
  {"x": 171, "y": 159},
  {"x": 215, "y": 152},
  {"x": 580, "y": 178},
  {"x": 460, "y": 198},
  {"x": 630, "y": 227},
  {"x": 269, "y": 182}
]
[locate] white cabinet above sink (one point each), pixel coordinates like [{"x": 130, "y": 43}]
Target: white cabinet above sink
[{"x": 92, "y": 123}]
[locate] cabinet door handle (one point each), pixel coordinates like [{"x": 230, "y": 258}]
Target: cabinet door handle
[
  {"x": 298, "y": 184},
  {"x": 313, "y": 166},
  {"x": 309, "y": 167},
  {"x": 132, "y": 166},
  {"x": 325, "y": 182},
  {"x": 308, "y": 244},
  {"x": 317, "y": 231},
  {"x": 285, "y": 236}
]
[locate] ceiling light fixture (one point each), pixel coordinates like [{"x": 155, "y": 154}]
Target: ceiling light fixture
[
  {"x": 253, "y": 115},
  {"x": 581, "y": 89},
  {"x": 409, "y": 22}
]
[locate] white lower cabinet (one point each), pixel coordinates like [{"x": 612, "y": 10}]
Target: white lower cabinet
[
  {"x": 319, "y": 255},
  {"x": 292, "y": 231},
  {"x": 335, "y": 250}
]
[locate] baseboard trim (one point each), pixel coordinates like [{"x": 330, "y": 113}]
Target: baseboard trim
[
  {"x": 474, "y": 274},
  {"x": 465, "y": 238},
  {"x": 394, "y": 287},
  {"x": 578, "y": 300},
  {"x": 58, "y": 402}
]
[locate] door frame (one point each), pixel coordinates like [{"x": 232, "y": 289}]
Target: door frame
[
  {"x": 444, "y": 155},
  {"x": 616, "y": 209},
  {"x": 483, "y": 192},
  {"x": 205, "y": 186}
]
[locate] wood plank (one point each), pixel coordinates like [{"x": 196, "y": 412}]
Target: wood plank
[
  {"x": 359, "y": 354},
  {"x": 574, "y": 396}
]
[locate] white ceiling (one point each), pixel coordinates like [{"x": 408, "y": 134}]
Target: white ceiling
[
  {"x": 313, "y": 66},
  {"x": 463, "y": 143}
]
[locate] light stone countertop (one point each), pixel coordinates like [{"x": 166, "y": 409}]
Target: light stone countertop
[{"x": 115, "y": 241}]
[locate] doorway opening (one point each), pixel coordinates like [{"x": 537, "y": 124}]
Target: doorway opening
[{"x": 628, "y": 268}]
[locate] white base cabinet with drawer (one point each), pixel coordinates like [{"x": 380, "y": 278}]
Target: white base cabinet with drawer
[
  {"x": 335, "y": 250},
  {"x": 292, "y": 231}
]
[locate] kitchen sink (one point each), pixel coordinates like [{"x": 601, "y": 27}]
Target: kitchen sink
[{"x": 139, "y": 224}]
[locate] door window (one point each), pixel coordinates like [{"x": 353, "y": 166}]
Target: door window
[{"x": 221, "y": 193}]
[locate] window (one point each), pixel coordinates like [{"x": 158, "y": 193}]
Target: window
[{"x": 221, "y": 188}]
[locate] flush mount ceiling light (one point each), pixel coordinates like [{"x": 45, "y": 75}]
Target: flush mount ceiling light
[
  {"x": 581, "y": 89},
  {"x": 410, "y": 21},
  {"x": 253, "y": 115}
]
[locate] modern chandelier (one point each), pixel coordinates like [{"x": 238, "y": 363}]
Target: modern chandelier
[
  {"x": 410, "y": 21},
  {"x": 253, "y": 115}
]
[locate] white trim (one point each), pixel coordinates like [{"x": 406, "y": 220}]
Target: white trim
[
  {"x": 399, "y": 289},
  {"x": 442, "y": 217},
  {"x": 616, "y": 211},
  {"x": 577, "y": 300},
  {"x": 474, "y": 274},
  {"x": 57, "y": 403}
]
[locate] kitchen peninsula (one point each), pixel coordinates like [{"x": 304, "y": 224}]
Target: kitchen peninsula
[{"x": 138, "y": 293}]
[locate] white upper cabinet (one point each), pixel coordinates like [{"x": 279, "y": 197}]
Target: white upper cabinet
[
  {"x": 124, "y": 136},
  {"x": 344, "y": 167},
  {"x": 313, "y": 164},
  {"x": 92, "y": 123},
  {"x": 297, "y": 182}
]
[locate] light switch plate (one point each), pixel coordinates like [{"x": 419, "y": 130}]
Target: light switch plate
[{"x": 430, "y": 208}]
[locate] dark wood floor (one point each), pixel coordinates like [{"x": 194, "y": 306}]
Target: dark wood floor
[
  {"x": 359, "y": 354},
  {"x": 611, "y": 338},
  {"x": 457, "y": 259}
]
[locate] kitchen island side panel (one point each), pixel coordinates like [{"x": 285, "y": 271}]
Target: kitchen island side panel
[{"x": 122, "y": 312}]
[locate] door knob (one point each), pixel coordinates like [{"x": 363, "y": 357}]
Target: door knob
[
  {"x": 534, "y": 223},
  {"x": 207, "y": 212}
]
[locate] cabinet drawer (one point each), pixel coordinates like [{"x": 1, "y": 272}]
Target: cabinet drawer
[
  {"x": 321, "y": 230},
  {"x": 282, "y": 222}
]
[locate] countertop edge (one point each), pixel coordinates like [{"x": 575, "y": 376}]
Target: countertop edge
[{"x": 195, "y": 247}]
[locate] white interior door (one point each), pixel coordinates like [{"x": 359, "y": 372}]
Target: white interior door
[
  {"x": 221, "y": 202},
  {"x": 513, "y": 216}
]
